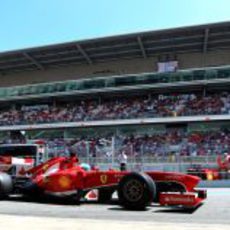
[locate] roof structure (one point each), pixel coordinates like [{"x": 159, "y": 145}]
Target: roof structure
[{"x": 201, "y": 38}]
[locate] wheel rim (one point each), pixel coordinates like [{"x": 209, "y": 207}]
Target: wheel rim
[{"x": 133, "y": 190}]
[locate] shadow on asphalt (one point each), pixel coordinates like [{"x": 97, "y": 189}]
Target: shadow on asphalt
[
  {"x": 127, "y": 210},
  {"x": 177, "y": 210},
  {"x": 57, "y": 201},
  {"x": 42, "y": 200}
]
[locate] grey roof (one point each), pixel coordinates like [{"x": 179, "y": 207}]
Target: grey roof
[{"x": 201, "y": 38}]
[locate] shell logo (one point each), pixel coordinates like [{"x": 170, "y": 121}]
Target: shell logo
[
  {"x": 103, "y": 178},
  {"x": 64, "y": 182},
  {"x": 210, "y": 176}
]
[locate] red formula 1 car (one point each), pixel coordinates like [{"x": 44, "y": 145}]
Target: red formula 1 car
[
  {"x": 218, "y": 172},
  {"x": 64, "y": 178}
]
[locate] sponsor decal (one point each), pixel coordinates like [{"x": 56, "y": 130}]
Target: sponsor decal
[
  {"x": 179, "y": 199},
  {"x": 64, "y": 181},
  {"x": 103, "y": 178}
]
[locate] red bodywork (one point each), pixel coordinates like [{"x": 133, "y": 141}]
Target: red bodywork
[{"x": 61, "y": 177}]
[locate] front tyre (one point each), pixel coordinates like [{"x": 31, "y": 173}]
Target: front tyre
[{"x": 136, "y": 191}]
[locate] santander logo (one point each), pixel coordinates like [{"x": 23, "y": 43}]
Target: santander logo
[{"x": 179, "y": 199}]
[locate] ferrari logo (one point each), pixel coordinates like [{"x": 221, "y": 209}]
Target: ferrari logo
[{"x": 103, "y": 178}]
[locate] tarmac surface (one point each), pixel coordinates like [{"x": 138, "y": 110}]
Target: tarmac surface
[{"x": 16, "y": 213}]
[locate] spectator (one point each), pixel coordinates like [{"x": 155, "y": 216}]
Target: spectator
[
  {"x": 117, "y": 108},
  {"x": 122, "y": 158},
  {"x": 227, "y": 160}
]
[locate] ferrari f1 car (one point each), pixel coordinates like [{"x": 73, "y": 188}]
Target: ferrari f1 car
[
  {"x": 63, "y": 177},
  {"x": 218, "y": 172}
]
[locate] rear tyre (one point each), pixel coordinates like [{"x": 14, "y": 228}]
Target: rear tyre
[
  {"x": 6, "y": 185},
  {"x": 136, "y": 191}
]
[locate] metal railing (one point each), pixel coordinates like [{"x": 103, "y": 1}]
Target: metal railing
[
  {"x": 114, "y": 82},
  {"x": 153, "y": 160}
]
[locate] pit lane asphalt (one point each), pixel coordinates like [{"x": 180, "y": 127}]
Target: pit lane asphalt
[{"x": 215, "y": 210}]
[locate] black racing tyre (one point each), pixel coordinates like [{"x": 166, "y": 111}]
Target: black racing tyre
[
  {"x": 105, "y": 194},
  {"x": 6, "y": 185},
  {"x": 136, "y": 191}
]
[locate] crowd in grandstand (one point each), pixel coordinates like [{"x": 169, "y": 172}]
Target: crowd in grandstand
[
  {"x": 148, "y": 106},
  {"x": 174, "y": 143}
]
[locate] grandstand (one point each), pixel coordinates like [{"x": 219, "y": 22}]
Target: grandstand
[{"x": 161, "y": 96}]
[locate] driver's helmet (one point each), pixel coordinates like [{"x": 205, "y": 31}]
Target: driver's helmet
[{"x": 85, "y": 166}]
